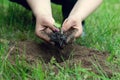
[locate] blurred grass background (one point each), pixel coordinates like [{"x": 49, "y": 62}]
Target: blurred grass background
[{"x": 102, "y": 32}]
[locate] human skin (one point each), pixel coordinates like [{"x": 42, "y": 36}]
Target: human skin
[
  {"x": 80, "y": 11},
  {"x": 45, "y": 21}
]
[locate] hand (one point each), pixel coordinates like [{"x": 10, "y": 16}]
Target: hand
[
  {"x": 80, "y": 12},
  {"x": 44, "y": 21},
  {"x": 44, "y": 26},
  {"x": 75, "y": 23}
]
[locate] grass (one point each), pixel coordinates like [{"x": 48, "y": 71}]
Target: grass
[{"x": 102, "y": 33}]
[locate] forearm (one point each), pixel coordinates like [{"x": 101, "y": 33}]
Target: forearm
[
  {"x": 84, "y": 8},
  {"x": 40, "y": 7}
]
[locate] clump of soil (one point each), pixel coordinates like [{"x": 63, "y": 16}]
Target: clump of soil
[
  {"x": 59, "y": 39},
  {"x": 71, "y": 53}
]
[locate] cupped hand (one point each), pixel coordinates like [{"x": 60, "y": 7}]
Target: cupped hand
[
  {"x": 44, "y": 26},
  {"x": 74, "y": 24}
]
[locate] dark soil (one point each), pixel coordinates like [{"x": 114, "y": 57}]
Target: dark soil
[{"x": 73, "y": 54}]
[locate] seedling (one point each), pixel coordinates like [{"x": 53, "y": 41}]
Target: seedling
[
  {"x": 61, "y": 38},
  {"x": 57, "y": 25}
]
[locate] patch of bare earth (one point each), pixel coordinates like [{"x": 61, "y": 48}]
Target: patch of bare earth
[{"x": 73, "y": 54}]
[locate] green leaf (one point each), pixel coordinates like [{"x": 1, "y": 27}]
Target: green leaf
[{"x": 57, "y": 25}]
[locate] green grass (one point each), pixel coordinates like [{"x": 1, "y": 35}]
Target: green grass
[{"x": 102, "y": 33}]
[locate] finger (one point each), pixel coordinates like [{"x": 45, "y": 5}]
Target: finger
[
  {"x": 79, "y": 31},
  {"x": 41, "y": 33},
  {"x": 48, "y": 30},
  {"x": 52, "y": 27},
  {"x": 67, "y": 24},
  {"x": 71, "y": 35},
  {"x": 50, "y": 24}
]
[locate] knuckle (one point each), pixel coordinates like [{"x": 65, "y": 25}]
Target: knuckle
[
  {"x": 73, "y": 21},
  {"x": 45, "y": 22}
]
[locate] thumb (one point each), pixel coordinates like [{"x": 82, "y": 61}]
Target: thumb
[
  {"x": 50, "y": 24},
  {"x": 67, "y": 24}
]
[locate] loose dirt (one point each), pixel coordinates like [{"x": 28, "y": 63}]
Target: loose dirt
[{"x": 73, "y": 54}]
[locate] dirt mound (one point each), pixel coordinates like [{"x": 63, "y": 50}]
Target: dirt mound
[{"x": 73, "y": 54}]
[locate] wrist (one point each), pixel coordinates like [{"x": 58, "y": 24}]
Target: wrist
[
  {"x": 76, "y": 18},
  {"x": 41, "y": 14},
  {"x": 40, "y": 7}
]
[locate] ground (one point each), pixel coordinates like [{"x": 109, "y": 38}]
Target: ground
[
  {"x": 94, "y": 56},
  {"x": 72, "y": 53}
]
